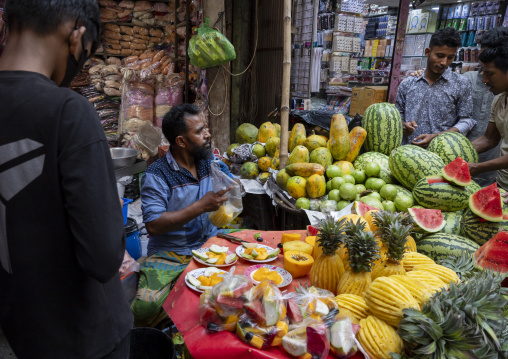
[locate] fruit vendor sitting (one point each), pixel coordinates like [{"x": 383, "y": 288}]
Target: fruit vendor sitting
[
  {"x": 439, "y": 100},
  {"x": 176, "y": 194},
  {"x": 495, "y": 75}
]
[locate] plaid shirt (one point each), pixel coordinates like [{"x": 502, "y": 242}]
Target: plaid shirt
[
  {"x": 168, "y": 187},
  {"x": 447, "y": 103}
]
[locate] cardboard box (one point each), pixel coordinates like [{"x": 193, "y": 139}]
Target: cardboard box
[{"x": 363, "y": 97}]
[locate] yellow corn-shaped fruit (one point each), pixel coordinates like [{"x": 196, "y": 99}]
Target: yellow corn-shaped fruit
[
  {"x": 446, "y": 274},
  {"x": 386, "y": 298},
  {"x": 432, "y": 282},
  {"x": 354, "y": 283},
  {"x": 418, "y": 290},
  {"x": 412, "y": 259},
  {"x": 387, "y": 268},
  {"x": 221, "y": 217},
  {"x": 354, "y": 303},
  {"x": 410, "y": 244},
  {"x": 378, "y": 339}
]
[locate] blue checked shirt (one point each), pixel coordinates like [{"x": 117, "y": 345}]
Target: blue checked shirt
[
  {"x": 447, "y": 103},
  {"x": 168, "y": 187}
]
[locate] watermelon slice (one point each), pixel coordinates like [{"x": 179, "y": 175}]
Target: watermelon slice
[
  {"x": 361, "y": 208},
  {"x": 312, "y": 231},
  {"x": 429, "y": 220},
  {"x": 494, "y": 253},
  {"x": 457, "y": 171},
  {"x": 486, "y": 203},
  {"x": 436, "y": 179}
]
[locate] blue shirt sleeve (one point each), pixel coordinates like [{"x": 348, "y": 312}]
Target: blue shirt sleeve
[
  {"x": 155, "y": 195},
  {"x": 224, "y": 168}
]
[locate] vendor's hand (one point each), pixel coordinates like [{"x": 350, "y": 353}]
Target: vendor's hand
[
  {"x": 504, "y": 195},
  {"x": 423, "y": 140},
  {"x": 473, "y": 168},
  {"x": 212, "y": 201},
  {"x": 409, "y": 127}
]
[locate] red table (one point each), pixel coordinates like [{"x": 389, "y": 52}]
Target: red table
[{"x": 182, "y": 306}]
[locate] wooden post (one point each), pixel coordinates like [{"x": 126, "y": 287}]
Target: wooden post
[{"x": 286, "y": 78}]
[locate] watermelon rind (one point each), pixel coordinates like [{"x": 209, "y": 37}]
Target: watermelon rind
[
  {"x": 453, "y": 220},
  {"x": 494, "y": 201},
  {"x": 402, "y": 190},
  {"x": 410, "y": 163},
  {"x": 442, "y": 245},
  {"x": 383, "y": 124},
  {"x": 417, "y": 213},
  {"x": 450, "y": 173},
  {"x": 382, "y": 160},
  {"x": 450, "y": 145},
  {"x": 440, "y": 195},
  {"x": 479, "y": 231},
  {"x": 473, "y": 187}
]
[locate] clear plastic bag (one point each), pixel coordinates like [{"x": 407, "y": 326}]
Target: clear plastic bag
[
  {"x": 221, "y": 307},
  {"x": 148, "y": 139},
  {"x": 312, "y": 302},
  {"x": 233, "y": 206},
  {"x": 209, "y": 47},
  {"x": 310, "y": 336}
]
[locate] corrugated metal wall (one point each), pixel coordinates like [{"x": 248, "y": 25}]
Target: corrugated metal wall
[{"x": 269, "y": 57}]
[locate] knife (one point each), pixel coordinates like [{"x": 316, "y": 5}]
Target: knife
[{"x": 232, "y": 239}]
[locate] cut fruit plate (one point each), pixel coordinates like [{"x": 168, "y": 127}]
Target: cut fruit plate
[
  {"x": 287, "y": 278},
  {"x": 192, "y": 281},
  {"x": 248, "y": 252},
  {"x": 200, "y": 255}
]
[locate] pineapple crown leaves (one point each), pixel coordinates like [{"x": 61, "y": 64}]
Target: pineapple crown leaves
[
  {"x": 331, "y": 234},
  {"x": 395, "y": 240},
  {"x": 461, "y": 322},
  {"x": 463, "y": 264},
  {"x": 363, "y": 251}
]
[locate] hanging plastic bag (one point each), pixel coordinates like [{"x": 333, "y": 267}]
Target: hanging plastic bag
[
  {"x": 309, "y": 302},
  {"x": 209, "y": 47},
  {"x": 233, "y": 206}
]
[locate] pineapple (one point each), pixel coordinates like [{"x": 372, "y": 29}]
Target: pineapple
[
  {"x": 362, "y": 252},
  {"x": 418, "y": 290},
  {"x": 412, "y": 259},
  {"x": 353, "y": 303},
  {"x": 393, "y": 230},
  {"x": 432, "y": 282},
  {"x": 462, "y": 264},
  {"x": 386, "y": 298},
  {"x": 328, "y": 268},
  {"x": 464, "y": 322},
  {"x": 378, "y": 339},
  {"x": 445, "y": 274}
]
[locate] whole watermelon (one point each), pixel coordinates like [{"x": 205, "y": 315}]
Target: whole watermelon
[
  {"x": 453, "y": 220},
  {"x": 383, "y": 124},
  {"x": 441, "y": 245},
  {"x": 376, "y": 157},
  {"x": 478, "y": 230},
  {"x": 436, "y": 193},
  {"x": 411, "y": 163},
  {"x": 450, "y": 145}
]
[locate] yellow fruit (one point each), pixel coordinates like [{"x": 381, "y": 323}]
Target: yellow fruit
[
  {"x": 326, "y": 272},
  {"x": 354, "y": 303},
  {"x": 297, "y": 263},
  {"x": 412, "y": 259},
  {"x": 346, "y": 168},
  {"x": 312, "y": 241},
  {"x": 354, "y": 283},
  {"x": 288, "y": 237},
  {"x": 378, "y": 339},
  {"x": 322, "y": 156},
  {"x": 339, "y": 142},
  {"x": 355, "y": 218},
  {"x": 297, "y": 137},
  {"x": 418, "y": 290},
  {"x": 297, "y": 246},
  {"x": 387, "y": 268},
  {"x": 314, "y": 141},
  {"x": 305, "y": 169},
  {"x": 271, "y": 145},
  {"x": 411, "y": 245},
  {"x": 264, "y": 163},
  {"x": 300, "y": 154},
  {"x": 221, "y": 217},
  {"x": 263, "y": 177},
  {"x": 445, "y": 274},
  {"x": 370, "y": 220},
  {"x": 432, "y": 282},
  {"x": 357, "y": 136},
  {"x": 266, "y": 130},
  {"x": 296, "y": 187},
  {"x": 315, "y": 186},
  {"x": 387, "y": 298},
  {"x": 282, "y": 179}
]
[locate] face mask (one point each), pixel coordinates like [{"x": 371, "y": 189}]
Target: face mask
[{"x": 73, "y": 67}]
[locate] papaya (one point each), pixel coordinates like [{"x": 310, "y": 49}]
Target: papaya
[
  {"x": 297, "y": 263},
  {"x": 277, "y": 129},
  {"x": 322, "y": 156},
  {"x": 300, "y": 154},
  {"x": 271, "y": 145},
  {"x": 230, "y": 149},
  {"x": 305, "y": 169},
  {"x": 339, "y": 142},
  {"x": 276, "y": 158},
  {"x": 264, "y": 163},
  {"x": 246, "y": 133},
  {"x": 346, "y": 168},
  {"x": 249, "y": 170},
  {"x": 296, "y": 187},
  {"x": 357, "y": 136},
  {"x": 266, "y": 130},
  {"x": 297, "y": 136},
  {"x": 282, "y": 179},
  {"x": 315, "y": 186},
  {"x": 263, "y": 177},
  {"x": 314, "y": 141}
]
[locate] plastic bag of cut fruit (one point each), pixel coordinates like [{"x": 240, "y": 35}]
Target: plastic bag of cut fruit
[
  {"x": 309, "y": 339},
  {"x": 309, "y": 303},
  {"x": 221, "y": 307},
  {"x": 233, "y": 206},
  {"x": 342, "y": 335},
  {"x": 264, "y": 323}
]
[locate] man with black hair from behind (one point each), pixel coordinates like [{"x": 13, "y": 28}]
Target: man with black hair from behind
[
  {"x": 439, "y": 100},
  {"x": 62, "y": 238}
]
